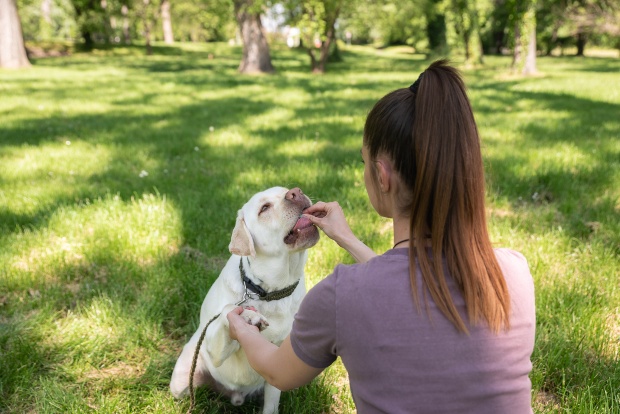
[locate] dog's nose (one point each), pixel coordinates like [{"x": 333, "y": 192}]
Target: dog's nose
[{"x": 294, "y": 194}]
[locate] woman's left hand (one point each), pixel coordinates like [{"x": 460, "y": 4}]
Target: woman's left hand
[{"x": 237, "y": 324}]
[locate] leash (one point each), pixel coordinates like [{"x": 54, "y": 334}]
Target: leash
[{"x": 251, "y": 291}]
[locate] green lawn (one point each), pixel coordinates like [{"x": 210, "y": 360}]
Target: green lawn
[{"x": 121, "y": 174}]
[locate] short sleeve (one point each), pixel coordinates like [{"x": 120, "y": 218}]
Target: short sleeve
[{"x": 314, "y": 333}]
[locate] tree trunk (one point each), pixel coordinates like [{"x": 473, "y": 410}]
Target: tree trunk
[
  {"x": 436, "y": 29},
  {"x": 314, "y": 63},
  {"x": 166, "y": 22},
  {"x": 12, "y": 50},
  {"x": 318, "y": 65},
  {"x": 530, "y": 59},
  {"x": 107, "y": 23},
  {"x": 525, "y": 59},
  {"x": 126, "y": 34},
  {"x": 582, "y": 38},
  {"x": 82, "y": 9},
  {"x": 467, "y": 44},
  {"x": 477, "y": 53},
  {"x": 256, "y": 55},
  {"x": 146, "y": 21},
  {"x": 45, "y": 26},
  {"x": 517, "y": 52}
]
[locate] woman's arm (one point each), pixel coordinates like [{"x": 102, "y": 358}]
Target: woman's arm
[
  {"x": 330, "y": 218},
  {"x": 280, "y": 366}
]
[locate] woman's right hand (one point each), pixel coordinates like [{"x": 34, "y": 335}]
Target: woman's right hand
[{"x": 329, "y": 217}]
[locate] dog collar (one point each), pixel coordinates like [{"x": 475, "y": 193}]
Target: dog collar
[{"x": 262, "y": 293}]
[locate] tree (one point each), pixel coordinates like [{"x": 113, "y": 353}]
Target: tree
[
  {"x": 166, "y": 21},
  {"x": 147, "y": 17},
  {"x": 466, "y": 25},
  {"x": 421, "y": 24},
  {"x": 436, "y": 27},
  {"x": 12, "y": 50},
  {"x": 529, "y": 67},
  {"x": 84, "y": 10},
  {"x": 585, "y": 17},
  {"x": 524, "y": 24},
  {"x": 577, "y": 22},
  {"x": 316, "y": 20},
  {"x": 256, "y": 55}
]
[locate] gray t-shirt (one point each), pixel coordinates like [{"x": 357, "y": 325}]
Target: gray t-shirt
[{"x": 400, "y": 360}]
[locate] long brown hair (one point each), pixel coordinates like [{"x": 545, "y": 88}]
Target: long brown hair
[{"x": 429, "y": 133}]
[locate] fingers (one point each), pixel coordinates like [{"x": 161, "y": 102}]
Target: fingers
[
  {"x": 234, "y": 315},
  {"x": 239, "y": 310},
  {"x": 313, "y": 219},
  {"x": 238, "y": 324},
  {"x": 318, "y": 207}
]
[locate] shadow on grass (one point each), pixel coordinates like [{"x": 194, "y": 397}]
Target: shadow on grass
[
  {"x": 588, "y": 129},
  {"x": 107, "y": 316}
]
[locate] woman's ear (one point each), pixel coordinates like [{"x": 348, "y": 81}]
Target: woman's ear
[{"x": 384, "y": 174}]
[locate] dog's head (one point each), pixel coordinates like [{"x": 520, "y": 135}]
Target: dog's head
[{"x": 270, "y": 224}]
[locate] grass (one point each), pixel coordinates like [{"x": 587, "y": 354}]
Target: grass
[{"x": 121, "y": 175}]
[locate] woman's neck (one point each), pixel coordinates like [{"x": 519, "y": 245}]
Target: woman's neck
[{"x": 401, "y": 231}]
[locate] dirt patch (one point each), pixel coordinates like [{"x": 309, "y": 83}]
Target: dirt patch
[
  {"x": 39, "y": 52},
  {"x": 118, "y": 370},
  {"x": 546, "y": 401}
]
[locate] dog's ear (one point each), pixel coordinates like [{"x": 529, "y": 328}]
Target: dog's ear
[{"x": 241, "y": 242}]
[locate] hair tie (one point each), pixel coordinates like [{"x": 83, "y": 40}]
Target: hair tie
[{"x": 415, "y": 85}]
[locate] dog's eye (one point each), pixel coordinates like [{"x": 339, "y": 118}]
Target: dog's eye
[{"x": 264, "y": 208}]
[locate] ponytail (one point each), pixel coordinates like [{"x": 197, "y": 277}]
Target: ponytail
[{"x": 428, "y": 131}]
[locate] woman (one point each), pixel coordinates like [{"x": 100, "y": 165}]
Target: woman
[{"x": 440, "y": 323}]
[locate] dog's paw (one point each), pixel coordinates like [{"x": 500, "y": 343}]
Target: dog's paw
[{"x": 251, "y": 316}]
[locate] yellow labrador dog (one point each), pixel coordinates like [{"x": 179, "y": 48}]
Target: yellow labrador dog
[{"x": 268, "y": 247}]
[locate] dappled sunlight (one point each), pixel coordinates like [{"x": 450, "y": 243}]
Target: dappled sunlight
[
  {"x": 564, "y": 156},
  {"x": 598, "y": 89},
  {"x": 299, "y": 147},
  {"x": 230, "y": 137},
  {"x": 71, "y": 158},
  {"x": 272, "y": 118},
  {"x": 49, "y": 171},
  {"x": 94, "y": 330},
  {"x": 140, "y": 231}
]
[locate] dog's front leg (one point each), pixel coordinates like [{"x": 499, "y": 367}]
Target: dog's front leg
[
  {"x": 219, "y": 344},
  {"x": 271, "y": 400}
]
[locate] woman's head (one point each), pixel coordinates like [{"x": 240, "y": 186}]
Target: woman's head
[{"x": 428, "y": 133}]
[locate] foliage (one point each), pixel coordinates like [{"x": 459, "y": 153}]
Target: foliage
[
  {"x": 59, "y": 24},
  {"x": 205, "y": 20},
  {"x": 387, "y": 23},
  {"x": 317, "y": 21},
  {"x": 465, "y": 18},
  {"x": 432, "y": 26},
  {"x": 436, "y": 29}
]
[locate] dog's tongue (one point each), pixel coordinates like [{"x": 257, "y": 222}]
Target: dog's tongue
[{"x": 302, "y": 223}]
